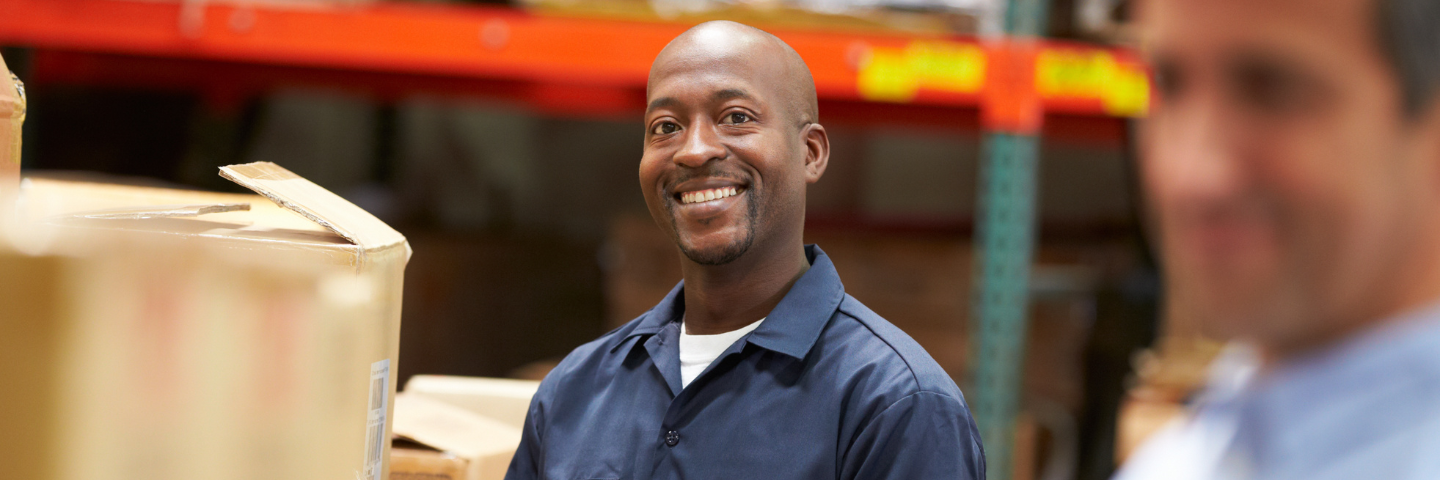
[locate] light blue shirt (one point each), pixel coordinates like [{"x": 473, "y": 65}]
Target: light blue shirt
[{"x": 1366, "y": 408}]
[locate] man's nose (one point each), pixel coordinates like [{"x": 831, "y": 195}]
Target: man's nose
[
  {"x": 1197, "y": 155},
  {"x": 702, "y": 145}
]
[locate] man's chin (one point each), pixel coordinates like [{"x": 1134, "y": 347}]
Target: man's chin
[
  {"x": 715, "y": 255},
  {"x": 720, "y": 242},
  {"x": 716, "y": 249},
  {"x": 1228, "y": 312}
]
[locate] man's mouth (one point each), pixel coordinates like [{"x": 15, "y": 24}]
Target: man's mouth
[{"x": 708, "y": 195}]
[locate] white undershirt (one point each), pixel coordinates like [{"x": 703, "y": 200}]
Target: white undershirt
[{"x": 699, "y": 351}]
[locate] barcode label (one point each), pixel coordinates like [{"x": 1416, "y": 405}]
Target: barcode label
[{"x": 375, "y": 433}]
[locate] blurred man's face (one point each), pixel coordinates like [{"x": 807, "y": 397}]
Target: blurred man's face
[
  {"x": 1280, "y": 165},
  {"x": 724, "y": 164}
]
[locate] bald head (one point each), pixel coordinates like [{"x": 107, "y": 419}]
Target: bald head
[
  {"x": 730, "y": 118},
  {"x": 720, "y": 45}
]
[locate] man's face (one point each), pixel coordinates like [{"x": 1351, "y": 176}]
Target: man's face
[
  {"x": 724, "y": 163},
  {"x": 1280, "y": 165}
]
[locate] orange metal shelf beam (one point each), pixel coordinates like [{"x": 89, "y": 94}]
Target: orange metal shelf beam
[{"x": 566, "y": 61}]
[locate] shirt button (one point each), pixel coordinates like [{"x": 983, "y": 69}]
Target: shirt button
[{"x": 672, "y": 437}]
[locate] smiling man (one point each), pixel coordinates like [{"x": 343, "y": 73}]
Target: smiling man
[
  {"x": 757, "y": 365},
  {"x": 1293, "y": 162}
]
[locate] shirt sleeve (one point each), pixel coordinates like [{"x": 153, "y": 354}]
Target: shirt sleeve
[
  {"x": 925, "y": 435},
  {"x": 525, "y": 465}
]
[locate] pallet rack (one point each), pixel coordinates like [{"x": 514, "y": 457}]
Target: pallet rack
[{"x": 1022, "y": 88}]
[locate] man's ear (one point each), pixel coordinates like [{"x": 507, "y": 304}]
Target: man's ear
[
  {"x": 817, "y": 151},
  {"x": 1427, "y": 131}
]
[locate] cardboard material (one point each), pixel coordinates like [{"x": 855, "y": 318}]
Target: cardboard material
[
  {"x": 317, "y": 204},
  {"x": 169, "y": 342},
  {"x": 500, "y": 399},
  {"x": 12, "y": 117},
  {"x": 486, "y": 445},
  {"x": 165, "y": 211},
  {"x": 477, "y": 419},
  {"x": 410, "y": 463},
  {"x": 1143, "y": 413}
]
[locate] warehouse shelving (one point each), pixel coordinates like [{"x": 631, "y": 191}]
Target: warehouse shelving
[
  {"x": 1016, "y": 88},
  {"x": 586, "y": 66}
]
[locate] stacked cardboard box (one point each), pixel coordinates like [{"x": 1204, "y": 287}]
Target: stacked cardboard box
[
  {"x": 459, "y": 428},
  {"x": 12, "y": 116},
  {"x": 166, "y": 334},
  {"x": 1166, "y": 377},
  {"x": 415, "y": 461}
]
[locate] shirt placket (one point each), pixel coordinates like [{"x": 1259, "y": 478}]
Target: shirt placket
[
  {"x": 664, "y": 350},
  {"x": 665, "y": 354}
]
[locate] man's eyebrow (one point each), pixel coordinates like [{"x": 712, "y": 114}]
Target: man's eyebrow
[
  {"x": 662, "y": 102},
  {"x": 730, "y": 93},
  {"x": 725, "y": 94}
]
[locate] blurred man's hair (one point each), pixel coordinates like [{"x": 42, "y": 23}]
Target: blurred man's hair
[{"x": 1410, "y": 36}]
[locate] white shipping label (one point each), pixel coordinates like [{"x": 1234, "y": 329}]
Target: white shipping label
[{"x": 375, "y": 434}]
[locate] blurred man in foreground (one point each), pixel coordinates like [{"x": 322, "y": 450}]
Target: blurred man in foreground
[
  {"x": 757, "y": 365},
  {"x": 1293, "y": 164}
]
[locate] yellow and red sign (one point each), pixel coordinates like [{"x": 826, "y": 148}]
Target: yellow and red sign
[
  {"x": 899, "y": 74},
  {"x": 1086, "y": 75},
  {"x": 1060, "y": 78}
]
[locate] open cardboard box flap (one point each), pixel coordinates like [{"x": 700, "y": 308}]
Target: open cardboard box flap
[
  {"x": 12, "y": 109},
  {"x": 486, "y": 444},
  {"x": 12, "y": 116},
  {"x": 164, "y": 211},
  {"x": 299, "y": 212},
  {"x": 321, "y": 206},
  {"x": 501, "y": 399},
  {"x": 452, "y": 429}
]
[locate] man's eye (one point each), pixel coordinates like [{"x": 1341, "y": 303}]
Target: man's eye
[
  {"x": 1168, "y": 81},
  {"x": 665, "y": 128},
  {"x": 736, "y": 117},
  {"x": 1275, "y": 89}
]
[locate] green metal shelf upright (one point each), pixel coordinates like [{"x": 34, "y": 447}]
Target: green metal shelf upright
[{"x": 1005, "y": 246}]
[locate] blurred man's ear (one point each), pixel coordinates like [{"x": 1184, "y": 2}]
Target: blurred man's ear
[
  {"x": 817, "y": 151},
  {"x": 1426, "y": 127}
]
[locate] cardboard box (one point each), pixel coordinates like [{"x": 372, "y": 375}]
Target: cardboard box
[
  {"x": 479, "y": 420},
  {"x": 501, "y": 399},
  {"x": 1166, "y": 377},
  {"x": 1143, "y": 413},
  {"x": 12, "y": 117},
  {"x": 165, "y": 334},
  {"x": 412, "y": 461}
]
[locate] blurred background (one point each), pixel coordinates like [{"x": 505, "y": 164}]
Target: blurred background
[{"x": 502, "y": 138}]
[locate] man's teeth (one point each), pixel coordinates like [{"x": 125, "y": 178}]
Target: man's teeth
[{"x": 708, "y": 195}]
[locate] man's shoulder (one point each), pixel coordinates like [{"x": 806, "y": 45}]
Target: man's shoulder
[
  {"x": 593, "y": 354},
  {"x": 871, "y": 344}
]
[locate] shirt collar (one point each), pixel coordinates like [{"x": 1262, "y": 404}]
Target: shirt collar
[
  {"x": 1406, "y": 339},
  {"x": 791, "y": 328},
  {"x": 670, "y": 309},
  {"x": 1295, "y": 402}
]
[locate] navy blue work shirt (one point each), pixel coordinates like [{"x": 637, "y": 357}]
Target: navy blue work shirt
[{"x": 823, "y": 389}]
